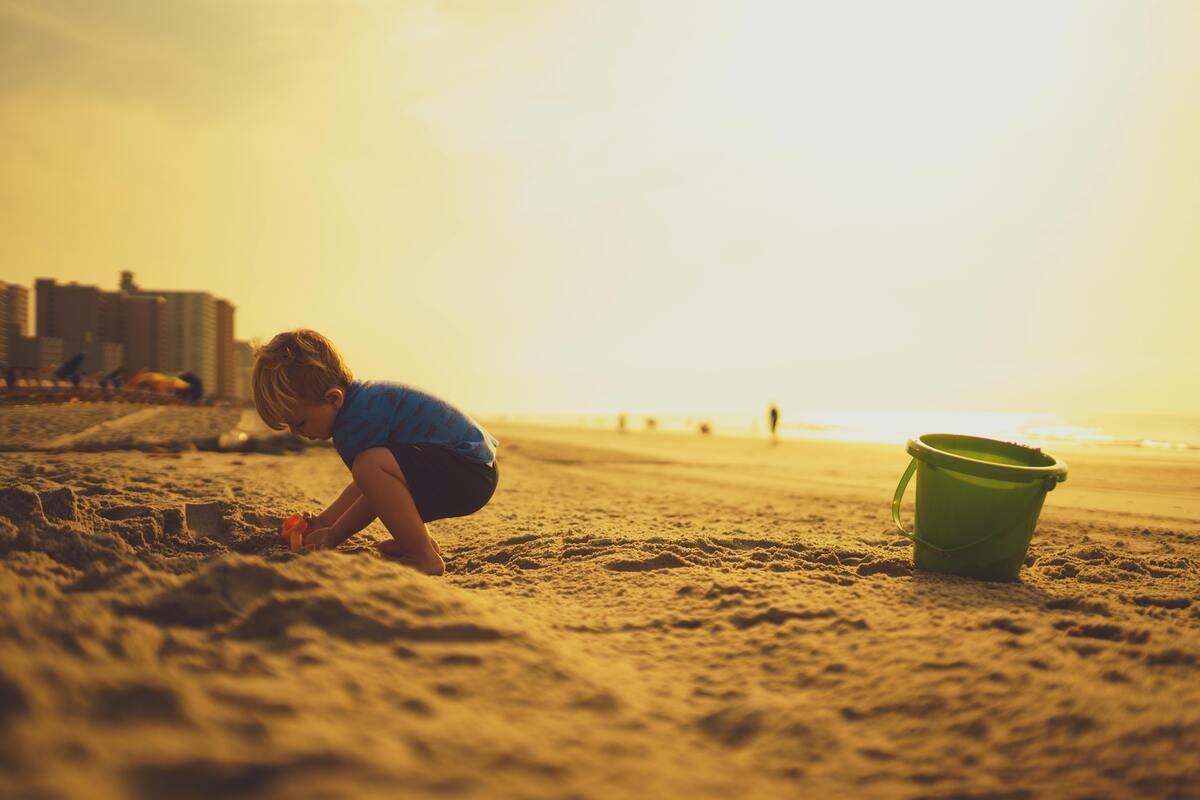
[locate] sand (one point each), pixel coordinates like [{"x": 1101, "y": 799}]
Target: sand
[{"x": 640, "y": 615}]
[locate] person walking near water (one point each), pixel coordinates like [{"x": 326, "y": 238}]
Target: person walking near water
[{"x": 773, "y": 422}]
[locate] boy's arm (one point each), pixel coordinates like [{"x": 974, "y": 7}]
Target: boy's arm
[
  {"x": 353, "y": 513},
  {"x": 329, "y": 516},
  {"x": 357, "y": 517}
]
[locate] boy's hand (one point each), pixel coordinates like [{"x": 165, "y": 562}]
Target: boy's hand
[{"x": 321, "y": 539}]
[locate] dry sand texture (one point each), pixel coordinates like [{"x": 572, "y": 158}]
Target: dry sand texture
[{"x": 632, "y": 616}]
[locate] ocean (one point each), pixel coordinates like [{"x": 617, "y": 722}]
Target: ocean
[{"x": 1141, "y": 431}]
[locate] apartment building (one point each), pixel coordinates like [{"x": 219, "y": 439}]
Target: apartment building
[{"x": 226, "y": 366}]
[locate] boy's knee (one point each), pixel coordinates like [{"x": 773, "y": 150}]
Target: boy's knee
[{"x": 374, "y": 460}]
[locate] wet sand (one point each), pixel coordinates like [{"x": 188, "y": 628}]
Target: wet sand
[{"x": 647, "y": 615}]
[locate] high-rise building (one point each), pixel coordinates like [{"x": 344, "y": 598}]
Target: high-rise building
[
  {"x": 86, "y": 319},
  {"x": 71, "y": 312},
  {"x": 108, "y": 326},
  {"x": 243, "y": 356},
  {"x": 190, "y": 331},
  {"x": 142, "y": 329},
  {"x": 14, "y": 320},
  {"x": 18, "y": 310},
  {"x": 192, "y": 335},
  {"x": 3, "y": 324},
  {"x": 226, "y": 367}
]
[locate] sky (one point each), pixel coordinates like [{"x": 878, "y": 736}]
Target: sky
[{"x": 677, "y": 206}]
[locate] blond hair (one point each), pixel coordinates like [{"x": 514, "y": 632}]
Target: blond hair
[{"x": 295, "y": 366}]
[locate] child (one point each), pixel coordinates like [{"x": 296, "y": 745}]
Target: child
[{"x": 413, "y": 458}]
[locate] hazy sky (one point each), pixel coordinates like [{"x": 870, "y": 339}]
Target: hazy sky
[{"x": 667, "y": 206}]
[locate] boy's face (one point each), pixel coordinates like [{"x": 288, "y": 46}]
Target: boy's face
[{"x": 315, "y": 420}]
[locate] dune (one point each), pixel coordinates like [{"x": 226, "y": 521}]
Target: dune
[{"x": 646, "y": 615}]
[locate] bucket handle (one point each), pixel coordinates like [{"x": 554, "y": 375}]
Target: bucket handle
[
  {"x": 908, "y": 473},
  {"x": 900, "y": 489}
]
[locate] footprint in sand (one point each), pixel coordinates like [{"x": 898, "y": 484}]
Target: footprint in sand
[
  {"x": 1111, "y": 633},
  {"x": 662, "y": 561},
  {"x": 1162, "y": 602},
  {"x": 138, "y": 701},
  {"x": 208, "y": 519}
]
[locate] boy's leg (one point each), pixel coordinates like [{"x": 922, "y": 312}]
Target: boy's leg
[{"x": 384, "y": 486}]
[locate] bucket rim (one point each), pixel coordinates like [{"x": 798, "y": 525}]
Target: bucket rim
[{"x": 921, "y": 449}]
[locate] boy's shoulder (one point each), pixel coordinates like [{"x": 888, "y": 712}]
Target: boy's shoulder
[
  {"x": 380, "y": 386},
  {"x": 367, "y": 405},
  {"x": 364, "y": 394},
  {"x": 368, "y": 398},
  {"x": 374, "y": 389}
]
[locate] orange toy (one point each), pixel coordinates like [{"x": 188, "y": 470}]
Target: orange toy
[{"x": 292, "y": 529}]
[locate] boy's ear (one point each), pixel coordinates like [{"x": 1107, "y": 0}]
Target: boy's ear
[{"x": 335, "y": 397}]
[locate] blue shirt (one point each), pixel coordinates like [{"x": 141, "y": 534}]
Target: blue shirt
[{"x": 379, "y": 413}]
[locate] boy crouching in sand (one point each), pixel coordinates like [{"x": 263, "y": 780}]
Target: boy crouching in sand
[{"x": 413, "y": 457}]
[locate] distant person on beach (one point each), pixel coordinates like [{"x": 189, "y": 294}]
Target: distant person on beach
[
  {"x": 413, "y": 457},
  {"x": 773, "y": 422}
]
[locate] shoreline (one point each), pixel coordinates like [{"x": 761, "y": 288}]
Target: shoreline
[{"x": 1044, "y": 435}]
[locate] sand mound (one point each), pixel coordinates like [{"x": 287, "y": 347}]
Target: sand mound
[{"x": 252, "y": 678}]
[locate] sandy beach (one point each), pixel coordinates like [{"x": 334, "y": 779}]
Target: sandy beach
[{"x": 638, "y": 615}]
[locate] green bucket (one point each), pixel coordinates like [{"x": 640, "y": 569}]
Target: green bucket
[{"x": 978, "y": 501}]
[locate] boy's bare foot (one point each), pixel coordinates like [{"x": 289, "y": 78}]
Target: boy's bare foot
[{"x": 430, "y": 562}]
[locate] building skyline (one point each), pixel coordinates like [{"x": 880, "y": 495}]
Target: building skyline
[{"x": 130, "y": 328}]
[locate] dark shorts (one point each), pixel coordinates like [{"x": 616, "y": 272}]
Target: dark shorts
[{"x": 443, "y": 483}]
